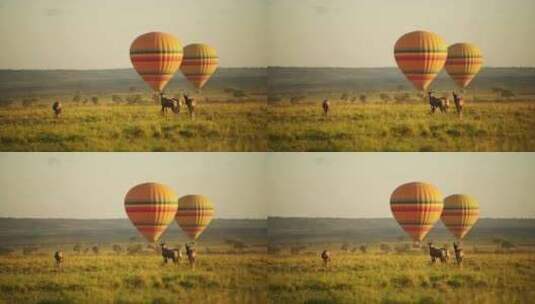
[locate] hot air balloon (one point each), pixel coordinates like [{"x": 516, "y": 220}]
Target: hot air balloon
[
  {"x": 156, "y": 56},
  {"x": 460, "y": 214},
  {"x": 151, "y": 207},
  {"x": 463, "y": 63},
  {"x": 420, "y": 56},
  {"x": 200, "y": 62},
  {"x": 194, "y": 214},
  {"x": 416, "y": 206}
]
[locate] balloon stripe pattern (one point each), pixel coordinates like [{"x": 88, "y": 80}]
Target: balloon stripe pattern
[
  {"x": 416, "y": 207},
  {"x": 463, "y": 63},
  {"x": 195, "y": 212},
  {"x": 460, "y": 213},
  {"x": 151, "y": 207},
  {"x": 156, "y": 57},
  {"x": 420, "y": 55},
  {"x": 200, "y": 62}
]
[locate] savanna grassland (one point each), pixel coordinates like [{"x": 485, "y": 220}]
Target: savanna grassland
[
  {"x": 222, "y": 126},
  {"x": 402, "y": 278},
  {"x": 111, "y": 278},
  {"x": 382, "y": 126}
]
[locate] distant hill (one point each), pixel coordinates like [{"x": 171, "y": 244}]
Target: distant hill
[
  {"x": 23, "y": 231},
  {"x": 50, "y": 82},
  {"x": 284, "y": 80},
  {"x": 317, "y": 230}
]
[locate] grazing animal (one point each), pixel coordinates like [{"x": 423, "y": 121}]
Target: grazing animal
[
  {"x": 437, "y": 253},
  {"x": 326, "y": 257},
  {"x": 459, "y": 103},
  {"x": 192, "y": 255},
  {"x": 190, "y": 103},
  {"x": 170, "y": 103},
  {"x": 459, "y": 255},
  {"x": 56, "y": 107},
  {"x": 170, "y": 253},
  {"x": 325, "y": 105},
  {"x": 58, "y": 256},
  {"x": 441, "y": 103}
]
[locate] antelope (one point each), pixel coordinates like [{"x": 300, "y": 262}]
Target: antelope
[
  {"x": 326, "y": 257},
  {"x": 437, "y": 253},
  {"x": 325, "y": 105},
  {"x": 190, "y": 103},
  {"x": 459, "y": 255},
  {"x": 459, "y": 103},
  {"x": 440, "y": 103},
  {"x": 192, "y": 255},
  {"x": 170, "y": 103},
  {"x": 58, "y": 256},
  {"x": 56, "y": 107},
  {"x": 170, "y": 253}
]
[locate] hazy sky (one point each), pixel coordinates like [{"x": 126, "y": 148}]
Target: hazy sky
[
  {"x": 93, "y": 185},
  {"x": 360, "y": 184},
  {"x": 362, "y": 33},
  {"x": 80, "y": 34},
  {"x": 253, "y": 185}
]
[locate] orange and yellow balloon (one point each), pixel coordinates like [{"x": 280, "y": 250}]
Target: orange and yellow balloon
[
  {"x": 420, "y": 55},
  {"x": 463, "y": 63},
  {"x": 416, "y": 207},
  {"x": 200, "y": 62},
  {"x": 194, "y": 214},
  {"x": 151, "y": 207},
  {"x": 460, "y": 213},
  {"x": 156, "y": 56}
]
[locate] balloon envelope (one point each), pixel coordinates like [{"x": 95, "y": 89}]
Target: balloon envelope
[
  {"x": 460, "y": 213},
  {"x": 151, "y": 207},
  {"x": 463, "y": 63},
  {"x": 194, "y": 214},
  {"x": 156, "y": 56},
  {"x": 420, "y": 56},
  {"x": 416, "y": 206},
  {"x": 200, "y": 62}
]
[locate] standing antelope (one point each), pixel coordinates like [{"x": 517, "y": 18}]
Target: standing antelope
[
  {"x": 459, "y": 103},
  {"x": 459, "y": 255},
  {"x": 190, "y": 103},
  {"x": 170, "y": 253},
  {"x": 325, "y": 105},
  {"x": 58, "y": 256},
  {"x": 192, "y": 255},
  {"x": 326, "y": 257},
  {"x": 56, "y": 107},
  {"x": 437, "y": 253},
  {"x": 440, "y": 103},
  {"x": 170, "y": 103}
]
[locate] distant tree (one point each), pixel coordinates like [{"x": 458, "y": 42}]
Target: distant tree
[
  {"x": 134, "y": 249},
  {"x": 238, "y": 93},
  {"x": 296, "y": 99},
  {"x": 345, "y": 246},
  {"x": 402, "y": 97},
  {"x": 95, "y": 249},
  {"x": 6, "y": 251},
  {"x": 363, "y": 98},
  {"x": 133, "y": 99},
  {"x": 86, "y": 250},
  {"x": 344, "y": 96},
  {"x": 94, "y": 100},
  {"x": 507, "y": 94},
  {"x": 116, "y": 98},
  {"x": 117, "y": 248},
  {"x": 85, "y": 101},
  {"x": 363, "y": 248},
  {"x": 354, "y": 98},
  {"x": 297, "y": 249},
  {"x": 29, "y": 250},
  {"x": 133, "y": 238},
  {"x": 385, "y": 248},
  {"x": 228, "y": 90},
  {"x": 77, "y": 97},
  {"x": 132, "y": 89},
  {"x": 385, "y": 97},
  {"x": 505, "y": 244},
  {"x": 77, "y": 248},
  {"x": 402, "y": 248}
]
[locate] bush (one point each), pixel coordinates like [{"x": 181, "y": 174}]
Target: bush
[
  {"x": 77, "y": 248},
  {"x": 95, "y": 249},
  {"x": 385, "y": 248},
  {"x": 6, "y": 251},
  {"x": 385, "y": 97},
  {"x": 29, "y": 250},
  {"x": 363, "y": 248},
  {"x": 134, "y": 249},
  {"x": 118, "y": 249},
  {"x": 363, "y": 98}
]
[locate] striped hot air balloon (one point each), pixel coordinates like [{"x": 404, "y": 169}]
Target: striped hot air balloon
[
  {"x": 151, "y": 207},
  {"x": 460, "y": 213},
  {"x": 420, "y": 56},
  {"x": 463, "y": 63},
  {"x": 156, "y": 56},
  {"x": 416, "y": 206},
  {"x": 194, "y": 214},
  {"x": 200, "y": 62}
]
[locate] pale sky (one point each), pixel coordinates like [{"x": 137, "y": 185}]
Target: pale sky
[
  {"x": 362, "y": 33},
  {"x": 254, "y": 185},
  {"x": 96, "y": 34},
  {"x": 360, "y": 184},
  {"x": 93, "y": 185},
  {"x": 79, "y": 34}
]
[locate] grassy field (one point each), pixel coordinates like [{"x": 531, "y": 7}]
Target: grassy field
[
  {"x": 402, "y": 278},
  {"x": 222, "y": 126},
  {"x": 133, "y": 279},
  {"x": 486, "y": 126}
]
